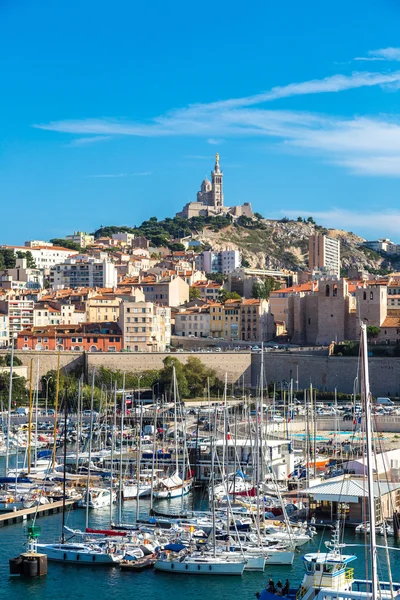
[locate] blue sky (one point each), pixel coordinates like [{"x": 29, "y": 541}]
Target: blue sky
[{"x": 111, "y": 113}]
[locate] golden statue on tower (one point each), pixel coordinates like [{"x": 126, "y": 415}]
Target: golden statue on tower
[{"x": 217, "y": 158}]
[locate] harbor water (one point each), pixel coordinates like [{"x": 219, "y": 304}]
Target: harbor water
[{"x": 74, "y": 582}]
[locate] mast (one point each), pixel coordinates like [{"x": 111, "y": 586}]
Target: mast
[
  {"x": 56, "y": 410},
  {"x": 9, "y": 407},
  {"x": 30, "y": 420},
  {"x": 366, "y": 398},
  {"x": 175, "y": 420},
  {"x": 37, "y": 410},
  {"x": 77, "y": 426},
  {"x": 114, "y": 424},
  {"x": 120, "y": 451},
  {"x": 139, "y": 453},
  {"x": 90, "y": 450},
  {"x": 153, "y": 458},
  {"x": 65, "y": 462}
]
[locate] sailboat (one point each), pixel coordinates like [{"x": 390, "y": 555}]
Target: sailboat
[
  {"x": 327, "y": 575},
  {"x": 174, "y": 486}
]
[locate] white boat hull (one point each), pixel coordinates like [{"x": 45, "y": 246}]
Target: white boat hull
[
  {"x": 173, "y": 492},
  {"x": 60, "y": 553},
  {"x": 198, "y": 567}
]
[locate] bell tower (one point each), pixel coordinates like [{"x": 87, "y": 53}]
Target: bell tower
[{"x": 217, "y": 190}]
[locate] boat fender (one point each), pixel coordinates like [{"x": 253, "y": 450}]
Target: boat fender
[
  {"x": 172, "y": 565},
  {"x": 198, "y": 567},
  {"x": 210, "y": 567},
  {"x": 169, "y": 495}
]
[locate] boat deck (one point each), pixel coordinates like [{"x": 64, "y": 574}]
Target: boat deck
[{"x": 16, "y": 516}]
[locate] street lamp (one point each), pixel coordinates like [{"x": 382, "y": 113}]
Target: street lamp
[{"x": 47, "y": 380}]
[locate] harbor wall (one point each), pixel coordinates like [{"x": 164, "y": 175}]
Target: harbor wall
[{"x": 325, "y": 373}]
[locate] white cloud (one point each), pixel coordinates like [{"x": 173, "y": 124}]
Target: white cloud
[
  {"x": 118, "y": 175},
  {"x": 364, "y": 145},
  {"x": 349, "y": 220},
  {"x": 390, "y": 54},
  {"x": 214, "y": 142}
]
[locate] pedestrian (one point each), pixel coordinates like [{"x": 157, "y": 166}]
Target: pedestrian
[
  {"x": 286, "y": 588},
  {"x": 271, "y": 586}
]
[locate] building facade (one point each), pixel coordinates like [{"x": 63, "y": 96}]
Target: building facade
[
  {"x": 193, "y": 321},
  {"x": 19, "y": 313},
  {"x": 46, "y": 255},
  {"x": 324, "y": 254},
  {"x": 218, "y": 261},
  {"x": 83, "y": 272},
  {"x": 87, "y": 337},
  {"x": 145, "y": 326}
]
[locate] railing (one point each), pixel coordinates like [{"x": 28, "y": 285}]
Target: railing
[{"x": 349, "y": 574}]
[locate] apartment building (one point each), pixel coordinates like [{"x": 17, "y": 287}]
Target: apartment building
[
  {"x": 169, "y": 291},
  {"x": 56, "y": 313},
  {"x": 4, "y": 330},
  {"x": 256, "y": 321},
  {"x": 45, "y": 255},
  {"x": 21, "y": 277},
  {"x": 102, "y": 308},
  {"x": 81, "y": 238},
  {"x": 88, "y": 337},
  {"x": 123, "y": 238},
  {"x": 209, "y": 290},
  {"x": 83, "y": 271},
  {"x": 19, "y": 313},
  {"x": 383, "y": 245},
  {"x": 218, "y": 261},
  {"x": 324, "y": 254},
  {"x": 145, "y": 326},
  {"x": 193, "y": 321}
]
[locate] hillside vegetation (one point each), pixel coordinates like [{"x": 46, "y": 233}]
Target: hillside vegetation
[{"x": 264, "y": 243}]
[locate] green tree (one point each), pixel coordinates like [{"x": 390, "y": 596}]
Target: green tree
[
  {"x": 224, "y": 296},
  {"x": 299, "y": 219},
  {"x": 66, "y": 244},
  {"x": 373, "y": 331},
  {"x": 311, "y": 221},
  {"x": 5, "y": 361},
  {"x": 176, "y": 247},
  {"x": 262, "y": 290},
  {"x": 198, "y": 376},
  {"x": 217, "y": 277},
  {"x": 194, "y": 293},
  {"x": 30, "y": 261},
  {"x": 8, "y": 258},
  {"x": 19, "y": 390},
  {"x": 258, "y": 216},
  {"x": 245, "y": 263},
  {"x": 166, "y": 377}
]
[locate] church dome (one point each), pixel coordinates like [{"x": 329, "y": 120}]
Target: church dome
[{"x": 206, "y": 185}]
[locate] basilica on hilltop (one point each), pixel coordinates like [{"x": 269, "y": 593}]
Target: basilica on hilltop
[{"x": 210, "y": 199}]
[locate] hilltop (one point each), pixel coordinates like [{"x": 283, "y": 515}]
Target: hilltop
[{"x": 264, "y": 243}]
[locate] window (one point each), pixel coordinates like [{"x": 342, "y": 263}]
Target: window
[
  {"x": 365, "y": 295},
  {"x": 327, "y": 290},
  {"x": 88, "y": 340},
  {"x": 111, "y": 339},
  {"x": 45, "y": 339},
  {"x": 371, "y": 295},
  {"x": 95, "y": 340}
]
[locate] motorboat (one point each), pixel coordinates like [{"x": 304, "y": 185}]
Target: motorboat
[{"x": 77, "y": 553}]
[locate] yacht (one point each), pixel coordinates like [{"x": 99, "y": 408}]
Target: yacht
[
  {"x": 196, "y": 563},
  {"x": 98, "y": 498}
]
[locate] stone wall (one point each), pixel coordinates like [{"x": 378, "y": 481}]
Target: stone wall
[
  {"x": 328, "y": 372},
  {"x": 325, "y": 373},
  {"x": 47, "y": 361},
  {"x": 236, "y": 364}
]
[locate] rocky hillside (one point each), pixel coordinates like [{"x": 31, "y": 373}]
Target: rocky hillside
[{"x": 284, "y": 245}]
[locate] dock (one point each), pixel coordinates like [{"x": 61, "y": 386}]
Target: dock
[{"x": 17, "y": 516}]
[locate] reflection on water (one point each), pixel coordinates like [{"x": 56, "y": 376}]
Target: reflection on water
[{"x": 70, "y": 582}]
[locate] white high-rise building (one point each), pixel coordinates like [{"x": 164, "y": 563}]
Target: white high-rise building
[
  {"x": 83, "y": 271},
  {"x": 220, "y": 261},
  {"x": 324, "y": 254}
]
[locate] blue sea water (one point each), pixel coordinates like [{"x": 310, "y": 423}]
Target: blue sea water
[{"x": 71, "y": 582}]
